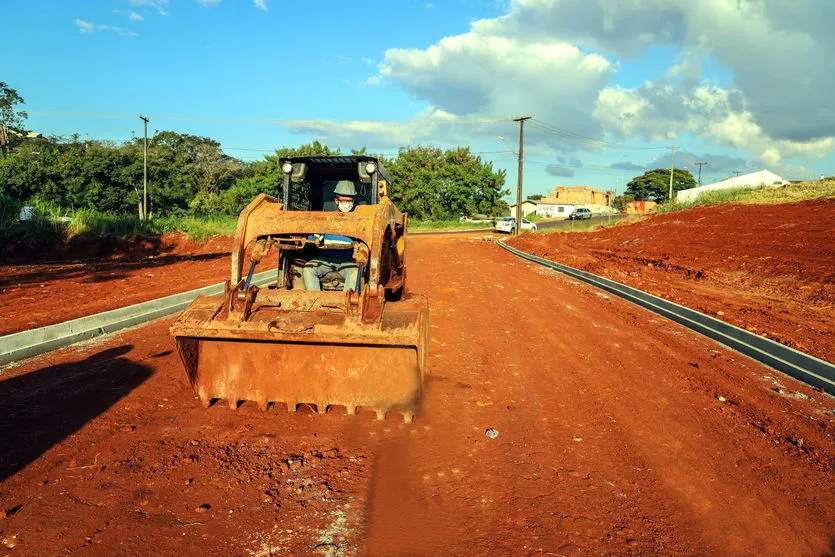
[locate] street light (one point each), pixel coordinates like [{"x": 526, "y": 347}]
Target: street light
[{"x": 515, "y": 153}]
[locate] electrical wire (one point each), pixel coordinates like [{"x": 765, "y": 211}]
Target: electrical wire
[
  {"x": 257, "y": 121},
  {"x": 572, "y": 136}
]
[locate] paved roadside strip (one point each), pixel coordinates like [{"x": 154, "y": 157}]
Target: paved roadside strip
[
  {"x": 803, "y": 367},
  {"x": 26, "y": 344}
]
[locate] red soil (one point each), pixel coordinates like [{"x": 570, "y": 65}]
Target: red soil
[
  {"x": 620, "y": 433},
  {"x": 766, "y": 268},
  {"x": 43, "y": 294}
]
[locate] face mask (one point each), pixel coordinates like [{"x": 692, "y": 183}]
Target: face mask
[{"x": 345, "y": 206}]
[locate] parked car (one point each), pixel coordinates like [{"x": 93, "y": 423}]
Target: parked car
[
  {"x": 580, "y": 213},
  {"x": 508, "y": 225}
]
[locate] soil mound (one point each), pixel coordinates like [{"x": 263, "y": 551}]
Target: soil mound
[{"x": 767, "y": 268}]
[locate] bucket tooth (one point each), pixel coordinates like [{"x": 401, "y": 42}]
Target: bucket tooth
[
  {"x": 292, "y": 405},
  {"x": 381, "y": 413},
  {"x": 350, "y": 410},
  {"x": 408, "y": 417},
  {"x": 321, "y": 407},
  {"x": 233, "y": 402},
  {"x": 204, "y": 397},
  {"x": 263, "y": 405}
]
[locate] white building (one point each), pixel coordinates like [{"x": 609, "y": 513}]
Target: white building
[
  {"x": 753, "y": 180},
  {"x": 528, "y": 206},
  {"x": 554, "y": 210}
]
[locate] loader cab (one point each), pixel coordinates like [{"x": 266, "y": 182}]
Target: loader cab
[
  {"x": 309, "y": 181},
  {"x": 309, "y": 184}
]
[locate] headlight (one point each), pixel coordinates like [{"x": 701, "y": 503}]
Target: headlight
[
  {"x": 370, "y": 167},
  {"x": 287, "y": 167}
]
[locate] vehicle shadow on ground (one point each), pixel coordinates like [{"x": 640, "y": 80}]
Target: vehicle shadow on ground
[
  {"x": 97, "y": 271},
  {"x": 41, "y": 408}
]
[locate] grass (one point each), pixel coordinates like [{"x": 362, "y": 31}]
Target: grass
[
  {"x": 451, "y": 224},
  {"x": 199, "y": 228},
  {"x": 763, "y": 195},
  {"x": 48, "y": 224}
]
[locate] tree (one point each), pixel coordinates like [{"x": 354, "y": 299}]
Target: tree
[
  {"x": 307, "y": 150},
  {"x": 655, "y": 184},
  {"x": 10, "y": 117},
  {"x": 433, "y": 184},
  {"x": 535, "y": 197},
  {"x": 621, "y": 201}
]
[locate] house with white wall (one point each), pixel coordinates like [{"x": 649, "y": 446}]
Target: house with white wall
[{"x": 528, "y": 206}]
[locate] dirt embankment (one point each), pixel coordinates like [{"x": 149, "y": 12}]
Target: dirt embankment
[
  {"x": 767, "y": 268},
  {"x": 44, "y": 293}
]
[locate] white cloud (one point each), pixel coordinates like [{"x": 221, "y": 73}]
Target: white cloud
[
  {"x": 161, "y": 6},
  {"x": 780, "y": 53},
  {"x": 663, "y": 110},
  {"x": 499, "y": 77},
  {"x": 558, "y": 59},
  {"x": 84, "y": 26},
  {"x": 132, "y": 15},
  {"x": 87, "y": 27},
  {"x": 260, "y": 4},
  {"x": 428, "y": 126}
]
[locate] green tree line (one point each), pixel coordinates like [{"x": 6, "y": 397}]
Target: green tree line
[{"x": 191, "y": 175}]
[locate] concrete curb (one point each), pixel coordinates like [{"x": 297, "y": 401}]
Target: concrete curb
[{"x": 26, "y": 344}]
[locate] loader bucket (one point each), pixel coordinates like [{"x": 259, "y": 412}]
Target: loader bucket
[{"x": 310, "y": 357}]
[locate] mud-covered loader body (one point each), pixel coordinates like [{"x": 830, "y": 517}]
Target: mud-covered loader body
[{"x": 361, "y": 347}]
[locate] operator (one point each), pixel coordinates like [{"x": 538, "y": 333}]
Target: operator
[{"x": 339, "y": 260}]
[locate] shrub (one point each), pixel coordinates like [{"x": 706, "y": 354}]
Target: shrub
[{"x": 206, "y": 204}]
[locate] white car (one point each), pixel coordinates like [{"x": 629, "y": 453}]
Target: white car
[{"x": 508, "y": 224}]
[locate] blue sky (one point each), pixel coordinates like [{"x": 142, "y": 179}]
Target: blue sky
[{"x": 609, "y": 82}]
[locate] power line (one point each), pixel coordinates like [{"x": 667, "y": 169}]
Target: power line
[
  {"x": 272, "y": 149},
  {"x": 573, "y": 136},
  {"x": 592, "y": 169},
  {"x": 257, "y": 121}
]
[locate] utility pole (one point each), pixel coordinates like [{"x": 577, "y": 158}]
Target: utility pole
[
  {"x": 700, "y": 165},
  {"x": 672, "y": 170},
  {"x": 521, "y": 121},
  {"x": 144, "y": 215}
]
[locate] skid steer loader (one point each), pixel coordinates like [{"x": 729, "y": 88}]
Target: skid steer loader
[{"x": 360, "y": 346}]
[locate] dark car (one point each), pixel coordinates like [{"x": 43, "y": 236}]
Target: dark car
[{"x": 580, "y": 213}]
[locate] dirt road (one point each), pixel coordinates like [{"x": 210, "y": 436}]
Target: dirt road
[{"x": 618, "y": 433}]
